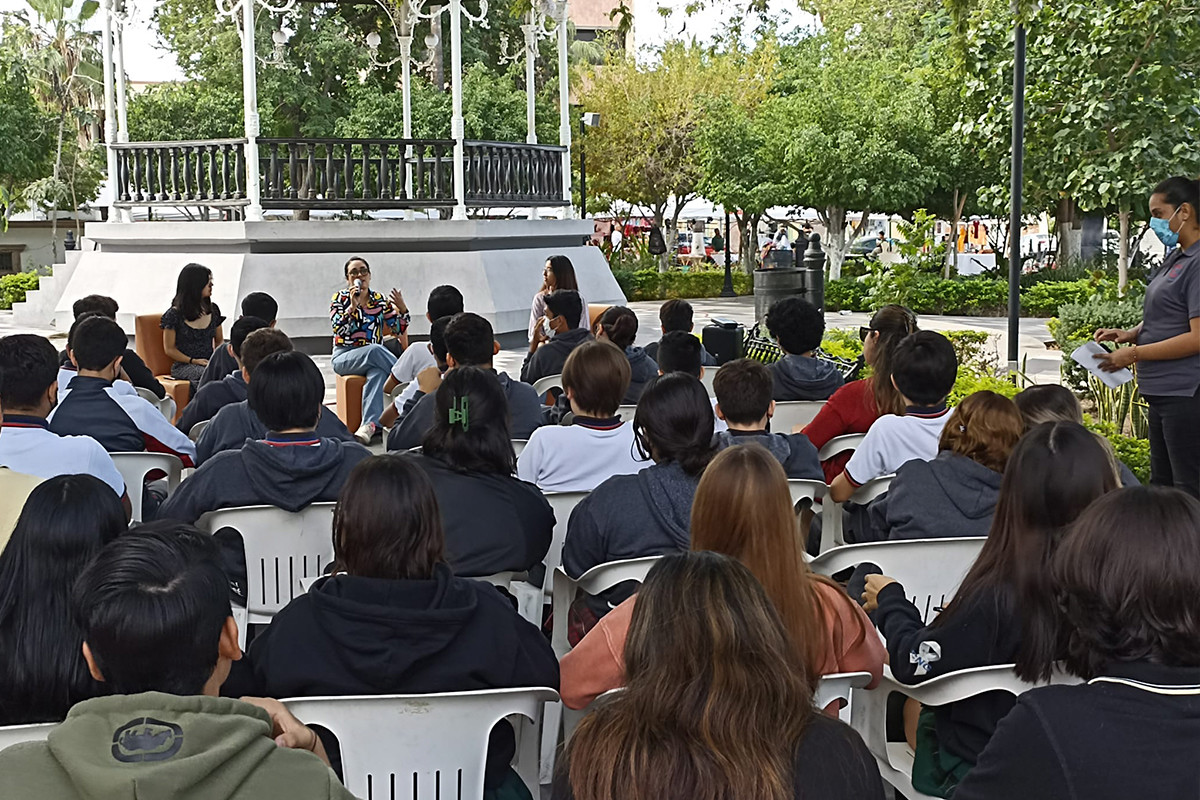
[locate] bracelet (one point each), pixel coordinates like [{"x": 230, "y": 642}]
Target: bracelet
[{"x": 1135, "y": 356}]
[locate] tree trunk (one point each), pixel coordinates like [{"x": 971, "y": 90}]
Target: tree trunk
[
  {"x": 1123, "y": 258},
  {"x": 1069, "y": 239},
  {"x": 749, "y": 246},
  {"x": 835, "y": 222},
  {"x": 659, "y": 211},
  {"x": 62, "y": 122},
  {"x": 960, "y": 202}
]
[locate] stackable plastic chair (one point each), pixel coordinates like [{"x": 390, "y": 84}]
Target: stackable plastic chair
[
  {"x": 832, "y": 522},
  {"x": 838, "y": 685},
  {"x": 282, "y": 548},
  {"x": 626, "y": 413},
  {"x": 529, "y": 598},
  {"x": 710, "y": 375},
  {"x": 790, "y": 413},
  {"x": 563, "y": 504},
  {"x": 197, "y": 429},
  {"x": 519, "y": 446},
  {"x": 840, "y": 444},
  {"x": 424, "y": 747},
  {"x": 165, "y": 406},
  {"x": 134, "y": 467},
  {"x": 18, "y": 734},
  {"x": 543, "y": 385}
]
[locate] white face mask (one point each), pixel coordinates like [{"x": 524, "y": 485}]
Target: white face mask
[{"x": 546, "y": 329}]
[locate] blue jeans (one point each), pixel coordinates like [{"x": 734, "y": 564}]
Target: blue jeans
[{"x": 375, "y": 361}]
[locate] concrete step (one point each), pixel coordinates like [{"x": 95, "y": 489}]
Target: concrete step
[{"x": 37, "y": 311}]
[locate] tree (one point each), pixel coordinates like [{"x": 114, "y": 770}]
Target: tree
[{"x": 26, "y": 134}]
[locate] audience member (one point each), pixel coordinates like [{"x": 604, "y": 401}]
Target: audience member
[
  {"x": 647, "y": 514},
  {"x": 716, "y": 702},
  {"x": 397, "y": 409},
  {"x": 28, "y": 388},
  {"x": 597, "y": 444},
  {"x": 682, "y": 352},
  {"x": 223, "y": 361},
  {"x": 618, "y": 324},
  {"x": 924, "y": 368},
  {"x": 1005, "y": 603},
  {"x": 1054, "y": 403},
  {"x": 192, "y": 325},
  {"x": 65, "y": 522},
  {"x": 360, "y": 319},
  {"x": 154, "y": 609},
  {"x": 798, "y": 327},
  {"x": 67, "y": 370},
  {"x": 291, "y": 467},
  {"x": 394, "y": 618},
  {"x": 470, "y": 342},
  {"x": 494, "y": 522},
  {"x": 548, "y": 351},
  {"x": 955, "y": 493},
  {"x": 558, "y": 275},
  {"x": 676, "y": 316},
  {"x": 120, "y": 422},
  {"x": 1124, "y": 573},
  {"x": 14, "y": 489},
  {"x": 135, "y": 369},
  {"x": 743, "y": 388},
  {"x": 743, "y": 509},
  {"x": 237, "y": 423},
  {"x": 212, "y": 396},
  {"x": 855, "y": 406},
  {"x": 444, "y": 301}
]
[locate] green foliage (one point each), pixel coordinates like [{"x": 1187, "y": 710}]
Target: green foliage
[
  {"x": 650, "y": 284},
  {"x": 1043, "y": 299},
  {"x": 1075, "y": 324},
  {"x": 842, "y": 343},
  {"x": 846, "y": 294},
  {"x": 13, "y": 288},
  {"x": 199, "y": 109},
  {"x": 917, "y": 243},
  {"x": 1132, "y": 452},
  {"x": 26, "y": 134},
  {"x": 970, "y": 381}
]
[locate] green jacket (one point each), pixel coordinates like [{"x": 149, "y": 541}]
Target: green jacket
[{"x": 156, "y": 746}]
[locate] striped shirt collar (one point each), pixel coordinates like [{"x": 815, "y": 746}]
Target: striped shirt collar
[
  {"x": 25, "y": 421},
  {"x": 609, "y": 424},
  {"x": 927, "y": 412}
]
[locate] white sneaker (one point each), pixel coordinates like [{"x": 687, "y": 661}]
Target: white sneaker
[{"x": 366, "y": 432}]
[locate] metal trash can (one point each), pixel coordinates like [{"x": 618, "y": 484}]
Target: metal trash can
[{"x": 775, "y": 284}]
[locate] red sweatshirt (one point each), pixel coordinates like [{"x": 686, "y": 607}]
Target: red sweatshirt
[{"x": 851, "y": 409}]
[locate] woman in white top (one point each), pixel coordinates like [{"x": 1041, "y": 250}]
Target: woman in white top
[
  {"x": 558, "y": 274},
  {"x": 597, "y": 445}
]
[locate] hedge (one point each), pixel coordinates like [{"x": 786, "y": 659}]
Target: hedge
[
  {"x": 986, "y": 297},
  {"x": 650, "y": 284},
  {"x": 13, "y": 288}
]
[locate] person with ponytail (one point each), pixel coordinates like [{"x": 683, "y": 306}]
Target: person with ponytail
[
  {"x": 717, "y": 703},
  {"x": 619, "y": 325},
  {"x": 856, "y": 405},
  {"x": 1165, "y": 345}
]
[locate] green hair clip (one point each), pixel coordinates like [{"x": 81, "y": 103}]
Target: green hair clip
[{"x": 459, "y": 413}]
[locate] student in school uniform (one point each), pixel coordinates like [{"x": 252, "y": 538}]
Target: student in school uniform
[
  {"x": 237, "y": 423},
  {"x": 444, "y": 301},
  {"x": 618, "y": 324},
  {"x": 67, "y": 371},
  {"x": 223, "y": 361},
  {"x": 681, "y": 352},
  {"x": 548, "y": 352},
  {"x": 407, "y": 399},
  {"x": 136, "y": 371},
  {"x": 28, "y": 388},
  {"x": 121, "y": 422},
  {"x": 211, "y": 397}
]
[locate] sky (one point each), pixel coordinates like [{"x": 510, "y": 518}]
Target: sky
[{"x": 146, "y": 61}]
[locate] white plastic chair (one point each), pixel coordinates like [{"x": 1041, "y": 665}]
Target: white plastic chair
[
  {"x": 840, "y": 444},
  {"x": 519, "y": 446},
  {"x": 396, "y": 392},
  {"x": 134, "y": 467},
  {"x": 165, "y": 405},
  {"x": 17, "y": 734},
  {"x": 837, "y": 686},
  {"x": 543, "y": 385},
  {"x": 197, "y": 429},
  {"x": 626, "y": 413},
  {"x": 929, "y": 569},
  {"x": 529, "y": 598},
  {"x": 832, "y": 521},
  {"x": 791, "y": 413},
  {"x": 282, "y": 548},
  {"x": 710, "y": 374},
  {"x": 868, "y": 712},
  {"x": 427, "y": 747},
  {"x": 563, "y": 504}
]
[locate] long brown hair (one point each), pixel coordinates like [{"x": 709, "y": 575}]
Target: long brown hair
[
  {"x": 892, "y": 323},
  {"x": 715, "y": 698},
  {"x": 1055, "y": 472},
  {"x": 743, "y": 509}
]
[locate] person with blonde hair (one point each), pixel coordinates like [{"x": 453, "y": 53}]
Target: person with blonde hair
[
  {"x": 1054, "y": 403},
  {"x": 743, "y": 509}
]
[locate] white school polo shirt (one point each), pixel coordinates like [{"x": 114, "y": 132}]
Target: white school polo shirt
[
  {"x": 892, "y": 441},
  {"x": 579, "y": 457},
  {"x": 417, "y": 357},
  {"x": 28, "y": 446}
]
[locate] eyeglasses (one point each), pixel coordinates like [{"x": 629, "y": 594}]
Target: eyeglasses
[
  {"x": 864, "y": 332},
  {"x": 359, "y": 271}
]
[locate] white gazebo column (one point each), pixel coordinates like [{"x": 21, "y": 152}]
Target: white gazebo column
[
  {"x": 126, "y": 214},
  {"x": 564, "y": 105},
  {"x": 406, "y": 98},
  {"x": 530, "y": 31},
  {"x": 250, "y": 111},
  {"x": 110, "y": 111},
  {"x": 457, "y": 125}
]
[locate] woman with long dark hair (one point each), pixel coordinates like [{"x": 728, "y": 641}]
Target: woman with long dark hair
[
  {"x": 394, "y": 619},
  {"x": 192, "y": 325},
  {"x": 1127, "y": 576},
  {"x": 717, "y": 704},
  {"x": 856, "y": 405},
  {"x": 1006, "y": 603},
  {"x": 559, "y": 273},
  {"x": 65, "y": 522},
  {"x": 1166, "y": 343},
  {"x": 1052, "y": 402},
  {"x": 743, "y": 509},
  {"x": 619, "y": 325},
  {"x": 494, "y": 522}
]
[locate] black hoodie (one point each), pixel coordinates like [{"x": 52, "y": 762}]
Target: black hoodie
[
  {"x": 949, "y": 496},
  {"x": 550, "y": 357},
  {"x": 642, "y": 370},
  {"x": 805, "y": 378},
  {"x": 352, "y": 635}
]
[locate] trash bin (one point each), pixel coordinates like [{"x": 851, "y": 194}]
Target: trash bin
[{"x": 775, "y": 284}]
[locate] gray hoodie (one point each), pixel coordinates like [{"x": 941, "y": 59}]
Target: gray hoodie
[
  {"x": 642, "y": 370},
  {"x": 949, "y": 496},
  {"x": 805, "y": 378},
  {"x": 794, "y": 451}
]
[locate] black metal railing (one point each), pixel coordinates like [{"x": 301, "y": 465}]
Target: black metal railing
[
  {"x": 317, "y": 173},
  {"x": 202, "y": 173},
  {"x": 510, "y": 174}
]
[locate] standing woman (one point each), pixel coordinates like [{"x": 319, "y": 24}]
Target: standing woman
[
  {"x": 1166, "y": 344},
  {"x": 558, "y": 274},
  {"x": 192, "y": 325},
  {"x": 361, "y": 318}
]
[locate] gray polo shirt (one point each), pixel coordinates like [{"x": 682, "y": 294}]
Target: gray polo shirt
[{"x": 1172, "y": 301}]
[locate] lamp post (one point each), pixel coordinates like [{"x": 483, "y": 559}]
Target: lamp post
[
  {"x": 590, "y": 120},
  {"x": 1014, "y": 222},
  {"x": 727, "y": 289}
]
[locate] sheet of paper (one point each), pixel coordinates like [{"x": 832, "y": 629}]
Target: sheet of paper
[{"x": 1085, "y": 356}]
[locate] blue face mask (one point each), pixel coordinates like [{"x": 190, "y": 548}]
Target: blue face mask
[{"x": 1162, "y": 229}]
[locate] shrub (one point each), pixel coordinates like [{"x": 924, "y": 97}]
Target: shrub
[
  {"x": 1075, "y": 324},
  {"x": 842, "y": 343},
  {"x": 1043, "y": 299},
  {"x": 650, "y": 284},
  {"x": 971, "y": 380},
  {"x": 13, "y": 288},
  {"x": 1134, "y": 453},
  {"x": 846, "y": 294}
]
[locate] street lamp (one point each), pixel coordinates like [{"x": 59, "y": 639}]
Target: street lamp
[
  {"x": 727, "y": 289},
  {"x": 589, "y": 120}
]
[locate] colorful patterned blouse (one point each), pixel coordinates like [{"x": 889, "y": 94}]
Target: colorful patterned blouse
[{"x": 366, "y": 325}]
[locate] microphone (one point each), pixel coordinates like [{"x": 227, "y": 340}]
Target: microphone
[{"x": 357, "y": 285}]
